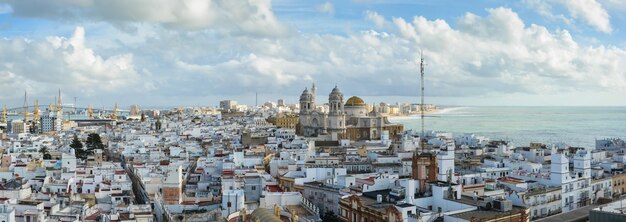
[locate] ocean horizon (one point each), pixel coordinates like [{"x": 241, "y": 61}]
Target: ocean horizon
[{"x": 572, "y": 125}]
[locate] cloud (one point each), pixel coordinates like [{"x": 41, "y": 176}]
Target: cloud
[
  {"x": 326, "y": 7},
  {"x": 484, "y": 55},
  {"x": 5, "y": 9},
  {"x": 58, "y": 62},
  {"x": 495, "y": 54},
  {"x": 376, "y": 18},
  {"x": 501, "y": 53},
  {"x": 543, "y": 8},
  {"x": 617, "y": 5},
  {"x": 232, "y": 16},
  {"x": 590, "y": 12}
]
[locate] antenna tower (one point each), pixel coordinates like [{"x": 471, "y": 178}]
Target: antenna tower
[{"x": 422, "y": 102}]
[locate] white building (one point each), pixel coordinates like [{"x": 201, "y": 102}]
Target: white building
[
  {"x": 52, "y": 121},
  {"x": 232, "y": 201}
]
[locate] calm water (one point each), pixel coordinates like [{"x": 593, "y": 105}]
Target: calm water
[{"x": 576, "y": 126}]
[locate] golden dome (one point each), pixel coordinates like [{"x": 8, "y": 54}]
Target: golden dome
[{"x": 355, "y": 101}]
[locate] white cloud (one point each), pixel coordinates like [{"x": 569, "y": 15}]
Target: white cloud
[
  {"x": 376, "y": 18},
  {"x": 591, "y": 12},
  {"x": 618, "y": 5},
  {"x": 326, "y": 7},
  {"x": 232, "y": 16},
  {"x": 499, "y": 50},
  {"x": 543, "y": 8},
  {"x": 57, "y": 62},
  {"x": 4, "y": 9},
  {"x": 495, "y": 54}
]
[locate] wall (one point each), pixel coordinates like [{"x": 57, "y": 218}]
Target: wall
[{"x": 281, "y": 199}]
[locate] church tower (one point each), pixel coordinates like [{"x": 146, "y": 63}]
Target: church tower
[
  {"x": 336, "y": 114},
  {"x": 305, "y": 102},
  {"x": 305, "y": 112}
]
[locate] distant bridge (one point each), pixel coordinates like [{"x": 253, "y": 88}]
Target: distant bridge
[
  {"x": 68, "y": 108},
  {"x": 17, "y": 111}
]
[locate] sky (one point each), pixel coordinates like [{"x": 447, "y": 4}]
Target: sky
[{"x": 198, "y": 52}]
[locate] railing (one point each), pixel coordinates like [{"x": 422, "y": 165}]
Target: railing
[{"x": 310, "y": 206}]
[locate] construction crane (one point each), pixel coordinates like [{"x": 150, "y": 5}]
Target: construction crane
[
  {"x": 90, "y": 111},
  {"x": 114, "y": 116},
  {"x": 36, "y": 117}
]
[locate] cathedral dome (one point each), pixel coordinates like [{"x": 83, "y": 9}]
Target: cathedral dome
[
  {"x": 355, "y": 101},
  {"x": 335, "y": 94},
  {"x": 306, "y": 95}
]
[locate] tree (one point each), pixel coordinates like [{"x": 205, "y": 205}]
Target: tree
[
  {"x": 94, "y": 142},
  {"x": 45, "y": 153},
  {"x": 79, "y": 152}
]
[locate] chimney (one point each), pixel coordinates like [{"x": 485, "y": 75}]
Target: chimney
[{"x": 379, "y": 198}]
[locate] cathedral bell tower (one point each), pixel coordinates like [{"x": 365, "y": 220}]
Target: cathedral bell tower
[{"x": 336, "y": 114}]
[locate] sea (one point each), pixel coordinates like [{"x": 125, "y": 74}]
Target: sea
[{"x": 574, "y": 126}]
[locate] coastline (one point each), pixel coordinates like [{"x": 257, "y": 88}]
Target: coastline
[{"x": 414, "y": 115}]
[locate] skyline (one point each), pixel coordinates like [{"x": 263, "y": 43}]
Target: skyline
[{"x": 531, "y": 52}]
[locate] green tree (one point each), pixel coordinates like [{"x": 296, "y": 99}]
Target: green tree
[
  {"x": 79, "y": 152},
  {"x": 46, "y": 154},
  {"x": 94, "y": 142}
]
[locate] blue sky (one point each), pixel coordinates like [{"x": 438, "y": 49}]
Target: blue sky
[{"x": 170, "y": 53}]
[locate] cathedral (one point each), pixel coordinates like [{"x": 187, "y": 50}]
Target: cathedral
[
  {"x": 350, "y": 120},
  {"x": 314, "y": 122}
]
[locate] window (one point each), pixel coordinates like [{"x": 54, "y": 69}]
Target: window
[
  {"x": 228, "y": 204},
  {"x": 253, "y": 187}
]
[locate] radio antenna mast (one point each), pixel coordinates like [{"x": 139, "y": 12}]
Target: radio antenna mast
[{"x": 422, "y": 102}]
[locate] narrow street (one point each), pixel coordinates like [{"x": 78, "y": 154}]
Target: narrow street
[{"x": 141, "y": 196}]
